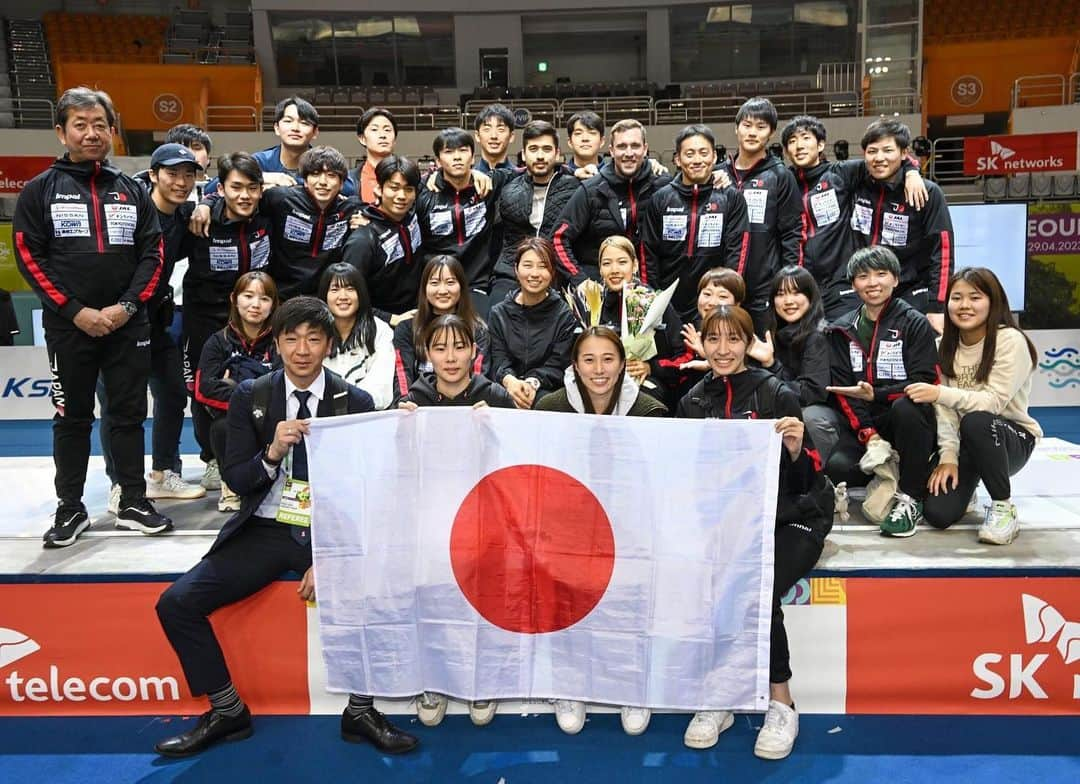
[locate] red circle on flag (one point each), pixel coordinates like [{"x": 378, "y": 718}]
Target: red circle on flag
[{"x": 532, "y": 549}]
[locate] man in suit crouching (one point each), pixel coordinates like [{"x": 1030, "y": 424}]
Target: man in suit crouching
[{"x": 266, "y": 464}]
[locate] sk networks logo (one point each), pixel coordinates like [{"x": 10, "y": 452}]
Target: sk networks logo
[
  {"x": 1042, "y": 624},
  {"x": 1001, "y": 151},
  {"x": 15, "y": 645}
]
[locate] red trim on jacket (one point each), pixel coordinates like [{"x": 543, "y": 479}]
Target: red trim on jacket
[{"x": 57, "y": 296}]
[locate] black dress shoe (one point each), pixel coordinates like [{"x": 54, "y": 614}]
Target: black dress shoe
[
  {"x": 212, "y": 727},
  {"x": 372, "y": 727}
]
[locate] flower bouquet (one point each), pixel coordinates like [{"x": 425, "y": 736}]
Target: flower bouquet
[
  {"x": 642, "y": 312},
  {"x": 586, "y": 302}
]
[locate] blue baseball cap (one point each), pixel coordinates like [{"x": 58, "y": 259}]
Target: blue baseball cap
[{"x": 173, "y": 155}]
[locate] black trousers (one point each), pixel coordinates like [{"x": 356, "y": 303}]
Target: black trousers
[
  {"x": 199, "y": 325},
  {"x": 797, "y": 550},
  {"x": 912, "y": 430},
  {"x": 219, "y": 431},
  {"x": 992, "y": 449},
  {"x": 122, "y": 358},
  {"x": 261, "y": 552}
]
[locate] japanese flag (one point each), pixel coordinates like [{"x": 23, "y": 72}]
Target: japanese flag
[{"x": 499, "y": 554}]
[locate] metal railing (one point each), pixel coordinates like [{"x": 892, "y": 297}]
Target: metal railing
[
  {"x": 537, "y": 108},
  {"x": 947, "y": 170},
  {"x": 343, "y": 117},
  {"x": 1038, "y": 90},
  {"x": 28, "y": 112},
  {"x": 838, "y": 77},
  {"x": 676, "y": 111},
  {"x": 232, "y": 118},
  {"x": 900, "y": 101},
  {"x": 611, "y": 110},
  {"x": 1074, "y": 88}
]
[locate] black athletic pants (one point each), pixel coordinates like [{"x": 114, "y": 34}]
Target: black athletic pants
[
  {"x": 122, "y": 358},
  {"x": 797, "y": 550},
  {"x": 199, "y": 325},
  {"x": 992, "y": 449}
]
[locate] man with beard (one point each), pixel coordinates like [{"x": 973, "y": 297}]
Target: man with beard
[
  {"x": 531, "y": 204},
  {"x": 613, "y": 202}
]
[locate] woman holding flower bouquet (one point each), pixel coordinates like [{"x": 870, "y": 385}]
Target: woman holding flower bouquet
[
  {"x": 532, "y": 329},
  {"x": 804, "y": 510}
]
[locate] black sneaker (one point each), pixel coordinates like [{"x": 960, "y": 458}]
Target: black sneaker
[
  {"x": 69, "y": 522},
  {"x": 141, "y": 516}
]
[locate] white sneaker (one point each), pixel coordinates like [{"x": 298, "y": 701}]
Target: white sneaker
[
  {"x": 482, "y": 711},
  {"x": 431, "y": 708},
  {"x": 172, "y": 485},
  {"x": 570, "y": 716},
  {"x": 1001, "y": 524},
  {"x": 114, "y": 499},
  {"x": 704, "y": 729},
  {"x": 211, "y": 479},
  {"x": 228, "y": 501},
  {"x": 634, "y": 720},
  {"x": 777, "y": 735}
]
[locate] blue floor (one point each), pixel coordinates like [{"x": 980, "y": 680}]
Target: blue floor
[
  {"x": 517, "y": 750},
  {"x": 33, "y": 437}
]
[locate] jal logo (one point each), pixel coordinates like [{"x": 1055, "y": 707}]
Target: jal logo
[
  {"x": 54, "y": 686},
  {"x": 118, "y": 195},
  {"x": 1017, "y": 672}
]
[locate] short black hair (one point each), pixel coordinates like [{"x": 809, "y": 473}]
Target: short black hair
[
  {"x": 317, "y": 159},
  {"x": 876, "y": 257},
  {"x": 304, "y": 110},
  {"x": 84, "y": 98},
  {"x": 241, "y": 162},
  {"x": 758, "y": 109},
  {"x": 882, "y": 129},
  {"x": 397, "y": 164},
  {"x": 590, "y": 120},
  {"x": 448, "y": 322},
  {"x": 452, "y": 139},
  {"x": 303, "y": 310},
  {"x": 537, "y": 128},
  {"x": 186, "y": 134},
  {"x": 694, "y": 130},
  {"x": 804, "y": 122},
  {"x": 495, "y": 111},
  {"x": 371, "y": 114}
]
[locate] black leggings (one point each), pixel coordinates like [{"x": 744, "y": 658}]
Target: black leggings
[
  {"x": 797, "y": 550},
  {"x": 992, "y": 449}
]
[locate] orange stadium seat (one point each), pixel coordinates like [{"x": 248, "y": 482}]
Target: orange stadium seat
[{"x": 105, "y": 38}]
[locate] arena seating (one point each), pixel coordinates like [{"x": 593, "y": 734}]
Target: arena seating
[
  {"x": 29, "y": 98},
  {"x": 975, "y": 20},
  {"x": 105, "y": 38}
]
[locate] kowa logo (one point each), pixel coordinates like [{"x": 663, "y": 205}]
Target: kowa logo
[
  {"x": 1042, "y": 624},
  {"x": 15, "y": 645},
  {"x": 1000, "y": 158}
]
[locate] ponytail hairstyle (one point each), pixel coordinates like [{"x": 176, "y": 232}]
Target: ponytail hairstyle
[
  {"x": 798, "y": 280},
  {"x": 985, "y": 281},
  {"x": 363, "y": 331},
  {"x": 610, "y": 335}
]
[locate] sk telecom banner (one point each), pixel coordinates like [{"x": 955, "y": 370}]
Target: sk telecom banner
[
  {"x": 1031, "y": 152},
  {"x": 17, "y": 170},
  {"x": 511, "y": 554}
]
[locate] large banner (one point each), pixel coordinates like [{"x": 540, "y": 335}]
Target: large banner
[
  {"x": 17, "y": 170},
  {"x": 1029, "y": 152},
  {"x": 1053, "y": 269},
  {"x": 504, "y": 554}
]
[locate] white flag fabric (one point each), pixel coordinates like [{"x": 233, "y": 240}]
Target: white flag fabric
[{"x": 489, "y": 554}]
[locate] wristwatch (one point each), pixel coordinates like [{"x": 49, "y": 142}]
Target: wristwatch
[
  {"x": 533, "y": 382},
  {"x": 130, "y": 308}
]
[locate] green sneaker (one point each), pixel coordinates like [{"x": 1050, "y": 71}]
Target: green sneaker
[
  {"x": 1001, "y": 524},
  {"x": 906, "y": 513}
]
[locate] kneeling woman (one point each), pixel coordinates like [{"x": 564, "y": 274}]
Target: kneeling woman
[
  {"x": 450, "y": 345},
  {"x": 598, "y": 383},
  {"x": 804, "y": 510},
  {"x": 243, "y": 349}
]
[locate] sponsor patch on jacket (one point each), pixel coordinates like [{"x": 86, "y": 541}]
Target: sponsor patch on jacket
[
  {"x": 862, "y": 219},
  {"x": 334, "y": 235},
  {"x": 825, "y": 207},
  {"x": 890, "y": 360},
  {"x": 414, "y": 233},
  {"x": 260, "y": 252},
  {"x": 391, "y": 246},
  {"x": 675, "y": 228},
  {"x": 120, "y": 220},
  {"x": 710, "y": 229},
  {"x": 894, "y": 229},
  {"x": 224, "y": 258},
  {"x": 856, "y": 354},
  {"x": 70, "y": 220},
  {"x": 297, "y": 230},
  {"x": 442, "y": 222},
  {"x": 475, "y": 219},
  {"x": 756, "y": 201}
]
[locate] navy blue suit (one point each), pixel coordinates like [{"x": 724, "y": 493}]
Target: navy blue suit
[{"x": 250, "y": 552}]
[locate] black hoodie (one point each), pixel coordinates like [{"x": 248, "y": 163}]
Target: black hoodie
[
  {"x": 807, "y": 369},
  {"x": 387, "y": 254},
  {"x": 407, "y": 368},
  {"x": 531, "y": 341},
  {"x": 774, "y": 214},
  {"x": 229, "y": 353},
  {"x": 805, "y": 497},
  {"x": 87, "y": 235},
  {"x": 688, "y": 230},
  {"x": 424, "y": 393},
  {"x": 605, "y": 205},
  {"x": 902, "y": 350}
]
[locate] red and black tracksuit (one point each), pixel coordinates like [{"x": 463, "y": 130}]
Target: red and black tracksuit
[
  {"x": 902, "y": 350},
  {"x": 804, "y": 507},
  {"x": 387, "y": 253},
  {"x": 215, "y": 262},
  {"x": 774, "y": 215},
  {"x": 87, "y": 236},
  {"x": 605, "y": 205},
  {"x": 408, "y": 367},
  {"x": 922, "y": 239},
  {"x": 688, "y": 230}
]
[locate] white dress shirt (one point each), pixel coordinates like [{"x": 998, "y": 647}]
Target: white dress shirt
[{"x": 269, "y": 506}]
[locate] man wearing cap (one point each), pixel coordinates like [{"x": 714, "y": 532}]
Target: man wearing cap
[{"x": 173, "y": 169}]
